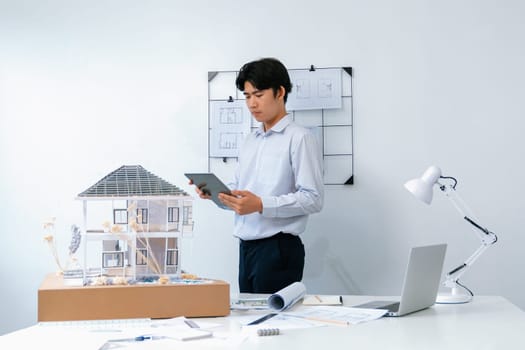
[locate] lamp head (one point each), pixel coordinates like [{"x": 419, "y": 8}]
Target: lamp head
[{"x": 422, "y": 187}]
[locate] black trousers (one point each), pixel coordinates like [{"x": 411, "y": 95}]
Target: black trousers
[{"x": 268, "y": 265}]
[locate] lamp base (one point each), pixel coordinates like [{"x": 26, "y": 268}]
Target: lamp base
[{"x": 453, "y": 298}]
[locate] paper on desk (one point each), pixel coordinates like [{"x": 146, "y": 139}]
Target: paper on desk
[
  {"x": 249, "y": 304},
  {"x": 174, "y": 328},
  {"x": 181, "y": 323},
  {"x": 337, "y": 314},
  {"x": 323, "y": 300},
  {"x": 287, "y": 297}
]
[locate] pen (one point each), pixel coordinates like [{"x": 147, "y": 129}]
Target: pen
[
  {"x": 262, "y": 319},
  {"x": 318, "y": 298},
  {"x": 139, "y": 338},
  {"x": 142, "y": 338}
]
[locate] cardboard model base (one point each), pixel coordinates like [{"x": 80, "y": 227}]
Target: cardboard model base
[{"x": 58, "y": 302}]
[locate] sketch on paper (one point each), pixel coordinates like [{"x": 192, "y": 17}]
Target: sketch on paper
[
  {"x": 230, "y": 140},
  {"x": 230, "y": 121},
  {"x": 302, "y": 88},
  {"x": 317, "y": 89},
  {"x": 230, "y": 115},
  {"x": 325, "y": 88}
]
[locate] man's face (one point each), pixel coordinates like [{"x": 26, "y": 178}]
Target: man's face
[{"x": 263, "y": 104}]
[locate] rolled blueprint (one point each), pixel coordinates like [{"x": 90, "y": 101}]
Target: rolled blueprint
[{"x": 287, "y": 297}]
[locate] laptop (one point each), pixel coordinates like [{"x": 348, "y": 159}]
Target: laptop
[{"x": 421, "y": 284}]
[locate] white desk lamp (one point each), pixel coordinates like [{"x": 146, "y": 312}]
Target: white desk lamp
[{"x": 422, "y": 189}]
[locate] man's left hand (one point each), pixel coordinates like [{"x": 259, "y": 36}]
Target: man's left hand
[{"x": 242, "y": 202}]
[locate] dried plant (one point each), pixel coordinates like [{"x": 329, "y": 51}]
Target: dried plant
[
  {"x": 150, "y": 259},
  {"x": 75, "y": 239},
  {"x": 49, "y": 237},
  {"x": 49, "y": 228},
  {"x": 106, "y": 225}
]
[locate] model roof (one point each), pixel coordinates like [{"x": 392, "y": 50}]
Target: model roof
[{"x": 131, "y": 181}]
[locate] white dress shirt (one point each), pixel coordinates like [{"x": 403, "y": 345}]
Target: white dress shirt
[{"x": 283, "y": 166}]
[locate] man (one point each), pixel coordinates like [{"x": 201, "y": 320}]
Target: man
[{"x": 277, "y": 184}]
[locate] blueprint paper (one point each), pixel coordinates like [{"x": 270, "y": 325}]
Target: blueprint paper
[{"x": 287, "y": 297}]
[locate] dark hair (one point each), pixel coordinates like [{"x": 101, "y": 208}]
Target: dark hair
[{"x": 264, "y": 74}]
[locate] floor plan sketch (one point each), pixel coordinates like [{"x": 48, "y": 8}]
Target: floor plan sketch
[{"x": 230, "y": 121}]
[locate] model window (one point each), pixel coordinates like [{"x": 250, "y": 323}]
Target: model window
[
  {"x": 171, "y": 257},
  {"x": 142, "y": 216},
  {"x": 113, "y": 259},
  {"x": 173, "y": 214},
  {"x": 120, "y": 216},
  {"x": 188, "y": 212},
  {"x": 142, "y": 256}
]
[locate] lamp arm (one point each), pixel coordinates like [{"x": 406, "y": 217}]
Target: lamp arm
[
  {"x": 454, "y": 274},
  {"x": 484, "y": 234},
  {"x": 486, "y": 237}
]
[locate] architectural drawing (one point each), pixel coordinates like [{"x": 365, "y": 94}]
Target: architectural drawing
[
  {"x": 230, "y": 140},
  {"x": 325, "y": 88},
  {"x": 230, "y": 121},
  {"x": 302, "y": 88},
  {"x": 230, "y": 115},
  {"x": 315, "y": 89}
]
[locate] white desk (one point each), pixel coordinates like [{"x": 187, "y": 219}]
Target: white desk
[{"x": 486, "y": 323}]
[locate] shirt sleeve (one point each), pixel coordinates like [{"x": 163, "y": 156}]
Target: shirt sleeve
[{"x": 308, "y": 197}]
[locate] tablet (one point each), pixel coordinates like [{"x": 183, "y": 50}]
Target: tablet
[{"x": 210, "y": 184}]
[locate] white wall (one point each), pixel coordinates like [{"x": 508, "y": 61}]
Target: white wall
[{"x": 88, "y": 86}]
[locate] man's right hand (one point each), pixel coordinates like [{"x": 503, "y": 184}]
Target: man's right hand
[{"x": 201, "y": 190}]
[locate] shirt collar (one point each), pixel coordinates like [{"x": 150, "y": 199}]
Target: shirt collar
[{"x": 278, "y": 127}]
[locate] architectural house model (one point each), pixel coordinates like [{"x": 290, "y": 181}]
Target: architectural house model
[{"x": 133, "y": 223}]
